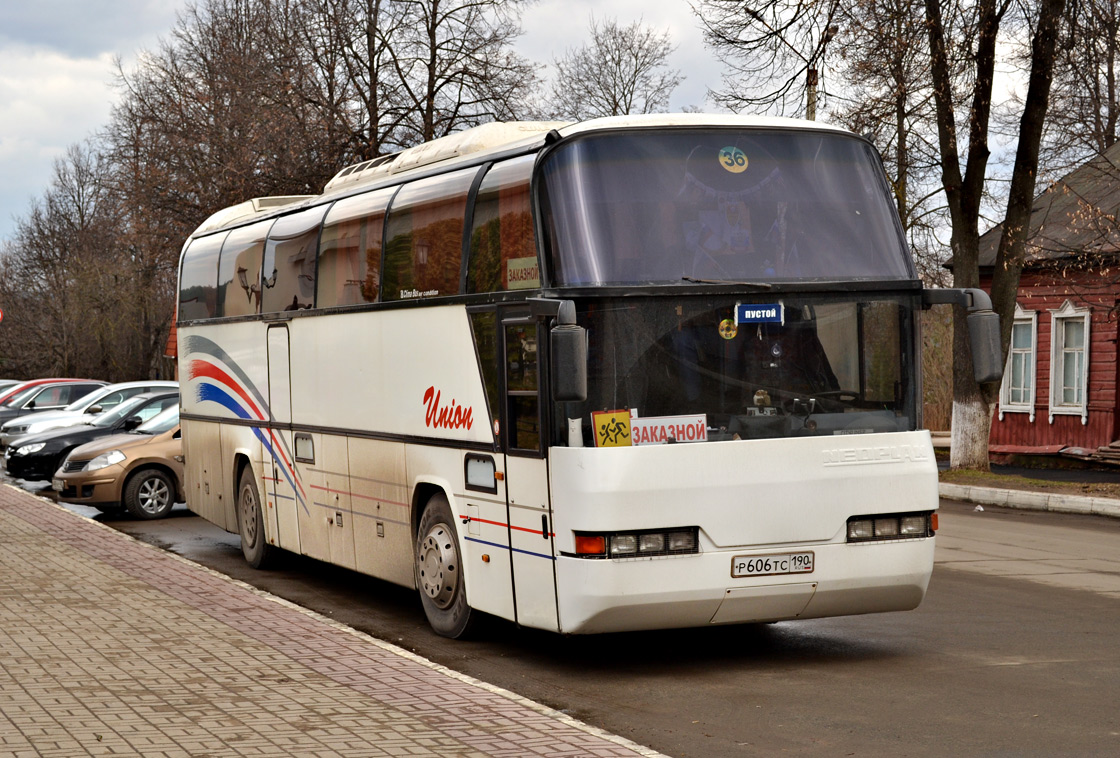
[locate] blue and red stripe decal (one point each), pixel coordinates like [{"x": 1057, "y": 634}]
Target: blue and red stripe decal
[{"x": 222, "y": 381}]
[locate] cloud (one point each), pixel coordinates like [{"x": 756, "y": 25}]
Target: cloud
[
  {"x": 552, "y": 27},
  {"x": 56, "y": 73},
  {"x": 80, "y": 29},
  {"x": 48, "y": 101}
]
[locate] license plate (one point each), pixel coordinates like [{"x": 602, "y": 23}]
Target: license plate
[
  {"x": 770, "y": 565},
  {"x": 58, "y": 485}
]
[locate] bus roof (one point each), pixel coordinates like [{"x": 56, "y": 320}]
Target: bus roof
[{"x": 490, "y": 138}]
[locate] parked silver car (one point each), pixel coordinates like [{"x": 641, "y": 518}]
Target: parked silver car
[{"x": 81, "y": 411}]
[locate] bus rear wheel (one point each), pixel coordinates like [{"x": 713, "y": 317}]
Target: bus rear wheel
[
  {"x": 250, "y": 523},
  {"x": 439, "y": 571}
]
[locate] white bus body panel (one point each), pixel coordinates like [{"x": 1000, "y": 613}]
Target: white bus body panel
[
  {"x": 380, "y": 499},
  {"x": 484, "y": 540},
  {"x": 747, "y": 497},
  {"x": 531, "y": 540},
  {"x": 372, "y": 371}
]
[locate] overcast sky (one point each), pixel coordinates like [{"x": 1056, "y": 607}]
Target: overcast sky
[{"x": 56, "y": 69}]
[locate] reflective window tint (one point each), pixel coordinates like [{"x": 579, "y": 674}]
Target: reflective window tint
[
  {"x": 350, "y": 250},
  {"x": 424, "y": 237},
  {"x": 503, "y": 252},
  {"x": 288, "y": 276},
  {"x": 523, "y": 411},
  {"x": 484, "y": 326},
  {"x": 198, "y": 291},
  {"x": 719, "y": 204},
  {"x": 239, "y": 270}
]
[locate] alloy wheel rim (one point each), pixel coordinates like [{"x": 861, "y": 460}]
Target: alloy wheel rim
[{"x": 154, "y": 495}]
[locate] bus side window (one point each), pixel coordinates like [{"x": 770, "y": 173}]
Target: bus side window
[
  {"x": 424, "y": 237},
  {"x": 523, "y": 423},
  {"x": 503, "y": 248},
  {"x": 350, "y": 250},
  {"x": 239, "y": 270},
  {"x": 288, "y": 274},
  {"x": 198, "y": 281},
  {"x": 484, "y": 327}
]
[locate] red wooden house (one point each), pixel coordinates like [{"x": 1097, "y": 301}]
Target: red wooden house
[{"x": 1060, "y": 392}]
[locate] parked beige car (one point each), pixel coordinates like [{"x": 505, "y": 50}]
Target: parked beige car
[{"x": 140, "y": 471}]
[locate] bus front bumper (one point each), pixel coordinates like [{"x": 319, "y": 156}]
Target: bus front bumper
[{"x": 698, "y": 590}]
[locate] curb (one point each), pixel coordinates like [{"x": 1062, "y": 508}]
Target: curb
[{"x": 1032, "y": 501}]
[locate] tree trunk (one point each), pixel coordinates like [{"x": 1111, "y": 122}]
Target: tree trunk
[{"x": 972, "y": 422}]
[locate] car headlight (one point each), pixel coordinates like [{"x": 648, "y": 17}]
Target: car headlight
[
  {"x": 28, "y": 449},
  {"x": 105, "y": 459}
]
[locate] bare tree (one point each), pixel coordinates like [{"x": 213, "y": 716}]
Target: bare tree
[
  {"x": 883, "y": 58},
  {"x": 973, "y": 404},
  {"x": 455, "y": 65},
  {"x": 244, "y": 98},
  {"x": 68, "y": 282},
  {"x": 1085, "y": 113},
  {"x": 216, "y": 116},
  {"x": 347, "y": 71},
  {"x": 620, "y": 71},
  {"x": 773, "y": 50}
]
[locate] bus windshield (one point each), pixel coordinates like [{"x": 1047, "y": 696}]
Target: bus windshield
[
  {"x": 746, "y": 205},
  {"x": 800, "y": 366}
]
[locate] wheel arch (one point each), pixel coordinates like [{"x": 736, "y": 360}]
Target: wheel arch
[
  {"x": 422, "y": 492},
  {"x": 240, "y": 461}
]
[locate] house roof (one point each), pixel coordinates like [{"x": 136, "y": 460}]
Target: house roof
[{"x": 1076, "y": 214}]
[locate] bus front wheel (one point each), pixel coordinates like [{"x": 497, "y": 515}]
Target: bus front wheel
[
  {"x": 250, "y": 522},
  {"x": 439, "y": 571}
]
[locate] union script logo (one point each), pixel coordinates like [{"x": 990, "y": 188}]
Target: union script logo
[{"x": 451, "y": 416}]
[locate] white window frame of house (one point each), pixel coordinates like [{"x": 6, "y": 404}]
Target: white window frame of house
[
  {"x": 1059, "y": 353},
  {"x": 1030, "y": 357}
]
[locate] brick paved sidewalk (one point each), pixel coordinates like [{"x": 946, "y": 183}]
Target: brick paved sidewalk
[{"x": 109, "y": 646}]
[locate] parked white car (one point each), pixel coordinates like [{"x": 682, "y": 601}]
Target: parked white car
[{"x": 81, "y": 411}]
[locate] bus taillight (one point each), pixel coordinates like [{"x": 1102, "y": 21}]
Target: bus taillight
[{"x": 891, "y": 527}]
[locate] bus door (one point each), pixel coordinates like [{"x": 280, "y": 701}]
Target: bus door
[
  {"x": 279, "y": 473},
  {"x": 526, "y": 472}
]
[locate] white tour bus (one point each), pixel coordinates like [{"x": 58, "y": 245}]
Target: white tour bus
[{"x": 632, "y": 373}]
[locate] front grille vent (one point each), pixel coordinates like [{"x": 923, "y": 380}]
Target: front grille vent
[{"x": 74, "y": 466}]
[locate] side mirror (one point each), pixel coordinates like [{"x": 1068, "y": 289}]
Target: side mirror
[
  {"x": 983, "y": 333},
  {"x": 983, "y": 328},
  {"x": 93, "y": 410},
  {"x": 131, "y": 423},
  {"x": 569, "y": 363}
]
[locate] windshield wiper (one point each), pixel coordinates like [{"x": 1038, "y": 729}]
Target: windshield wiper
[{"x": 759, "y": 285}]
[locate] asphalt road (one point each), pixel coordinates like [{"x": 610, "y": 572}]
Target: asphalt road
[{"x": 1014, "y": 651}]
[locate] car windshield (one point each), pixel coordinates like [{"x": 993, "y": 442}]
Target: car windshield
[
  {"x": 165, "y": 421},
  {"x": 110, "y": 418}
]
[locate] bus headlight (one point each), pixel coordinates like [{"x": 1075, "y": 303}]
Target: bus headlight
[
  {"x": 649, "y": 542},
  {"x": 891, "y": 527}
]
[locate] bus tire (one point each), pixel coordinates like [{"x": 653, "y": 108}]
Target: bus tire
[
  {"x": 250, "y": 523},
  {"x": 439, "y": 571}
]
